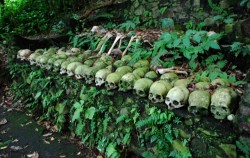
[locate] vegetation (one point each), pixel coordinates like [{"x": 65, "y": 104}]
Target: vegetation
[{"x": 209, "y": 48}]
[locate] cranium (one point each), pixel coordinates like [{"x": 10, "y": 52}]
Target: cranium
[
  {"x": 177, "y": 97},
  {"x": 43, "y": 61},
  {"x": 141, "y": 63},
  {"x": 112, "y": 80},
  {"x": 90, "y": 74},
  {"x": 123, "y": 70},
  {"x": 50, "y": 63},
  {"x": 57, "y": 64},
  {"x": 101, "y": 76},
  {"x": 61, "y": 51},
  {"x": 75, "y": 50},
  {"x": 126, "y": 59},
  {"x": 199, "y": 102},
  {"x": 37, "y": 60},
  {"x": 170, "y": 77},
  {"x": 80, "y": 70},
  {"x": 89, "y": 62},
  {"x": 220, "y": 82},
  {"x": 142, "y": 86},
  {"x": 222, "y": 102},
  {"x": 23, "y": 54},
  {"x": 119, "y": 63},
  {"x": 182, "y": 82},
  {"x": 32, "y": 58},
  {"x": 152, "y": 75},
  {"x": 52, "y": 51},
  {"x": 108, "y": 60},
  {"x": 159, "y": 90},
  {"x": 202, "y": 85},
  {"x": 127, "y": 82},
  {"x": 64, "y": 65},
  {"x": 39, "y": 51},
  {"x": 141, "y": 71},
  {"x": 71, "y": 68},
  {"x": 61, "y": 56},
  {"x": 82, "y": 57},
  {"x": 74, "y": 59}
]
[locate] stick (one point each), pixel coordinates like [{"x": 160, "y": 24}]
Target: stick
[
  {"x": 118, "y": 36},
  {"x": 129, "y": 44},
  {"x": 109, "y": 35},
  {"x": 164, "y": 70}
]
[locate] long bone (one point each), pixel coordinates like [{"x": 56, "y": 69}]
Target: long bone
[
  {"x": 117, "y": 53},
  {"x": 108, "y": 36},
  {"x": 129, "y": 44},
  {"x": 118, "y": 36},
  {"x": 103, "y": 40}
]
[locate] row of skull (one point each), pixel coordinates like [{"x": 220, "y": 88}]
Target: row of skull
[{"x": 169, "y": 89}]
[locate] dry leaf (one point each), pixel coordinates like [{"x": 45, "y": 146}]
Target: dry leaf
[
  {"x": 3, "y": 121},
  {"x": 47, "y": 134},
  {"x": 52, "y": 138},
  {"x": 46, "y": 142},
  {"x": 15, "y": 148},
  {"x": 14, "y": 141},
  {"x": 4, "y": 147},
  {"x": 62, "y": 156},
  {"x": 33, "y": 155}
]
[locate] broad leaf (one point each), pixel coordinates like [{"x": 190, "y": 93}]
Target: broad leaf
[{"x": 90, "y": 112}]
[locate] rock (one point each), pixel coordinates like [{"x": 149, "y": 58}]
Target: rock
[
  {"x": 178, "y": 146},
  {"x": 198, "y": 147}
]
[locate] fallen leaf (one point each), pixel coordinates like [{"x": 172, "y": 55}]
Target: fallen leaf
[
  {"x": 52, "y": 138},
  {"x": 3, "y": 132},
  {"x": 4, "y": 147},
  {"x": 36, "y": 129},
  {"x": 15, "y": 148},
  {"x": 14, "y": 141},
  {"x": 28, "y": 123},
  {"x": 33, "y": 155},
  {"x": 79, "y": 153},
  {"x": 47, "y": 134},
  {"x": 3, "y": 121},
  {"x": 46, "y": 142},
  {"x": 62, "y": 156}
]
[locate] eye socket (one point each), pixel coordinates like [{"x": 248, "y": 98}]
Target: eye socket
[
  {"x": 141, "y": 93},
  {"x": 175, "y": 102},
  {"x": 158, "y": 96},
  {"x": 112, "y": 84},
  {"x": 167, "y": 99}
]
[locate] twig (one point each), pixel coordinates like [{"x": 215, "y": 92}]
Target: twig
[{"x": 164, "y": 70}]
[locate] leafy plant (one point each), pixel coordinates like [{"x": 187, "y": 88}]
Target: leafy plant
[{"x": 128, "y": 25}]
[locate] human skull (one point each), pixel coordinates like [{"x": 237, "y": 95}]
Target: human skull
[
  {"x": 80, "y": 70},
  {"x": 90, "y": 74},
  {"x": 57, "y": 64},
  {"x": 39, "y": 51},
  {"x": 202, "y": 85},
  {"x": 119, "y": 63},
  {"x": 32, "y": 58},
  {"x": 126, "y": 59},
  {"x": 177, "y": 97},
  {"x": 127, "y": 82},
  {"x": 101, "y": 76},
  {"x": 89, "y": 62},
  {"x": 158, "y": 91},
  {"x": 71, "y": 68},
  {"x": 141, "y": 63},
  {"x": 170, "y": 77},
  {"x": 199, "y": 102},
  {"x": 222, "y": 102},
  {"x": 52, "y": 50},
  {"x": 43, "y": 61},
  {"x": 74, "y": 59},
  {"x": 152, "y": 75},
  {"x": 142, "y": 86},
  {"x": 141, "y": 71},
  {"x": 75, "y": 50},
  {"x": 64, "y": 65},
  {"x": 124, "y": 70},
  {"x": 108, "y": 60},
  {"x": 23, "y": 54},
  {"x": 112, "y": 80},
  {"x": 220, "y": 82},
  {"x": 82, "y": 57},
  {"x": 50, "y": 63},
  {"x": 37, "y": 60},
  {"x": 182, "y": 82}
]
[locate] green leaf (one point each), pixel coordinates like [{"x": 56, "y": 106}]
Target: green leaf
[
  {"x": 76, "y": 115},
  {"x": 38, "y": 94},
  {"x": 186, "y": 41},
  {"x": 176, "y": 42},
  {"x": 197, "y": 37},
  {"x": 90, "y": 112},
  {"x": 214, "y": 45}
]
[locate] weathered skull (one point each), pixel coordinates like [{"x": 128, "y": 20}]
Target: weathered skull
[
  {"x": 142, "y": 86},
  {"x": 43, "y": 61},
  {"x": 61, "y": 56},
  {"x": 74, "y": 59},
  {"x": 83, "y": 57},
  {"x": 124, "y": 70},
  {"x": 71, "y": 68},
  {"x": 37, "y": 60},
  {"x": 170, "y": 77},
  {"x": 119, "y": 63},
  {"x": 32, "y": 58},
  {"x": 222, "y": 102},
  {"x": 64, "y": 65},
  {"x": 108, "y": 60},
  {"x": 61, "y": 51},
  {"x": 112, "y": 80},
  {"x": 23, "y": 54},
  {"x": 177, "y": 97},
  {"x": 50, "y": 63},
  {"x": 39, "y": 51},
  {"x": 141, "y": 71},
  {"x": 199, "y": 102},
  {"x": 89, "y": 62},
  {"x": 220, "y": 82},
  {"x": 159, "y": 90},
  {"x": 182, "y": 82},
  {"x": 126, "y": 59},
  {"x": 90, "y": 74},
  {"x": 202, "y": 85},
  {"x": 141, "y": 63},
  {"x": 127, "y": 82},
  {"x": 75, "y": 50},
  {"x": 52, "y": 50},
  {"x": 57, "y": 64},
  {"x": 80, "y": 70},
  {"x": 152, "y": 75},
  {"x": 101, "y": 75}
]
